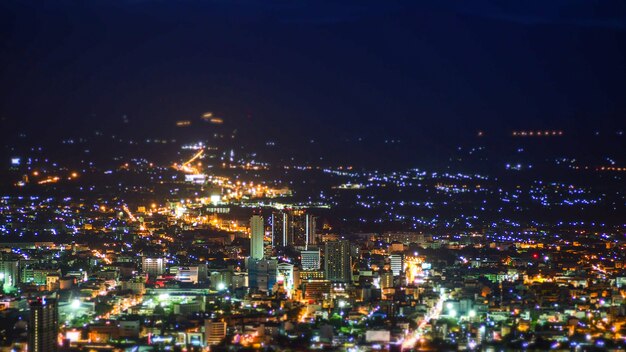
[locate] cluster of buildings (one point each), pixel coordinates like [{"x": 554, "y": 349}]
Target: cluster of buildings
[
  {"x": 287, "y": 283},
  {"x": 455, "y": 262}
]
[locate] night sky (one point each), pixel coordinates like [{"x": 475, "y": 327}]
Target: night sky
[{"x": 413, "y": 69}]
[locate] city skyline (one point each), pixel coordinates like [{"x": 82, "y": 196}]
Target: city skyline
[{"x": 356, "y": 176}]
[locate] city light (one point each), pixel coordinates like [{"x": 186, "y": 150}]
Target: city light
[{"x": 313, "y": 176}]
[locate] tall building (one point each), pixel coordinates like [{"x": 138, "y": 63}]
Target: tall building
[
  {"x": 302, "y": 228},
  {"x": 262, "y": 274},
  {"x": 337, "y": 261},
  {"x": 43, "y": 327},
  {"x": 287, "y": 275},
  {"x": 310, "y": 259},
  {"x": 288, "y": 229},
  {"x": 396, "y": 262},
  {"x": 153, "y": 266},
  {"x": 9, "y": 274},
  {"x": 282, "y": 229},
  {"x": 257, "y": 233},
  {"x": 214, "y": 331},
  {"x": 298, "y": 227},
  {"x": 311, "y": 238},
  {"x": 278, "y": 239},
  {"x": 386, "y": 280}
]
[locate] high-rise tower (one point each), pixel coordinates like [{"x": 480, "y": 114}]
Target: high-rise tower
[
  {"x": 311, "y": 238},
  {"x": 337, "y": 261},
  {"x": 282, "y": 229},
  {"x": 257, "y": 233},
  {"x": 396, "y": 262},
  {"x": 44, "y": 326}
]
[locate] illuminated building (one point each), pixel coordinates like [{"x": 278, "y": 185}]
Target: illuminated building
[
  {"x": 197, "y": 179},
  {"x": 189, "y": 307},
  {"x": 310, "y": 259},
  {"x": 396, "y": 247},
  {"x": 311, "y": 238},
  {"x": 214, "y": 331},
  {"x": 9, "y": 274},
  {"x": 262, "y": 274},
  {"x": 404, "y": 237},
  {"x": 287, "y": 274},
  {"x": 137, "y": 286},
  {"x": 316, "y": 289},
  {"x": 296, "y": 278},
  {"x": 337, "y": 261},
  {"x": 386, "y": 280},
  {"x": 282, "y": 229},
  {"x": 302, "y": 228},
  {"x": 257, "y": 233},
  {"x": 414, "y": 268},
  {"x": 153, "y": 266},
  {"x": 43, "y": 327},
  {"x": 37, "y": 276},
  {"x": 312, "y": 275},
  {"x": 396, "y": 262},
  {"x": 239, "y": 280},
  {"x": 223, "y": 278},
  {"x": 52, "y": 282},
  {"x": 188, "y": 274}
]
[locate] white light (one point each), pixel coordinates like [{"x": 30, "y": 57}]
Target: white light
[
  {"x": 75, "y": 304},
  {"x": 221, "y": 286},
  {"x": 472, "y": 313}
]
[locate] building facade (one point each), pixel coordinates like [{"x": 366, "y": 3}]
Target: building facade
[
  {"x": 153, "y": 266},
  {"x": 257, "y": 234},
  {"x": 310, "y": 259},
  {"x": 337, "y": 261},
  {"x": 43, "y": 326}
]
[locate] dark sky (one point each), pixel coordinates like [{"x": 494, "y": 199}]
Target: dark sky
[{"x": 407, "y": 68}]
